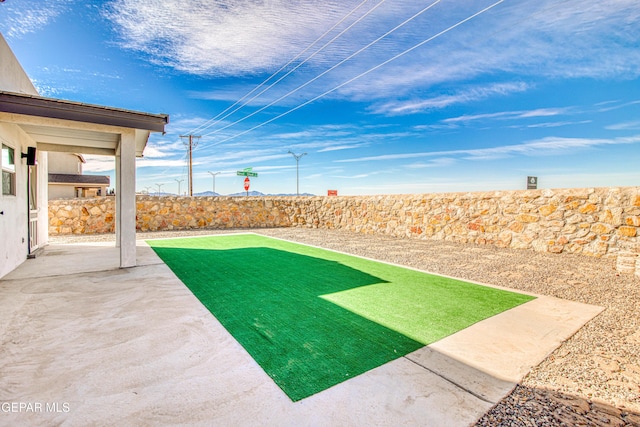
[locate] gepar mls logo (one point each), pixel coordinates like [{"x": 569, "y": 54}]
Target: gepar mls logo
[{"x": 532, "y": 182}]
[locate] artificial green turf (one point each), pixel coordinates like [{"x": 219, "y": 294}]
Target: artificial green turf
[{"x": 313, "y": 318}]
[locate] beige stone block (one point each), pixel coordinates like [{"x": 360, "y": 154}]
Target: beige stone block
[
  {"x": 547, "y": 210},
  {"x": 597, "y": 249},
  {"x": 601, "y": 228},
  {"x": 475, "y": 227},
  {"x": 612, "y": 216},
  {"x": 632, "y": 220},
  {"x": 626, "y": 262},
  {"x": 572, "y": 205},
  {"x": 588, "y": 208},
  {"x": 575, "y": 219},
  {"x": 626, "y": 231},
  {"x": 528, "y": 218}
]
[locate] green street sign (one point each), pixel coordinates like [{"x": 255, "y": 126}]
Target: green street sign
[{"x": 246, "y": 173}]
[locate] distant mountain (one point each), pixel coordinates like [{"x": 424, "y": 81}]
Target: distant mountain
[
  {"x": 244, "y": 193},
  {"x": 212, "y": 194},
  {"x": 289, "y": 194}
]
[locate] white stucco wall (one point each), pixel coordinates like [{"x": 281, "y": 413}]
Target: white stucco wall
[
  {"x": 61, "y": 191},
  {"x": 12, "y": 75},
  {"x": 65, "y": 163},
  {"x": 14, "y": 222}
]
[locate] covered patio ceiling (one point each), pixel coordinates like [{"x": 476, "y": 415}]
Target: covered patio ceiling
[{"x": 67, "y": 126}]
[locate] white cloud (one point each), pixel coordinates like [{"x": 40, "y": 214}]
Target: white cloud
[
  {"x": 540, "y": 39},
  {"x": 239, "y": 37},
  {"x": 541, "y": 147},
  {"x": 632, "y": 125},
  {"x": 472, "y": 94},
  {"x": 552, "y": 124},
  {"x": 224, "y": 37},
  {"x": 439, "y": 162},
  {"x": 24, "y": 17},
  {"x": 510, "y": 115},
  {"x": 340, "y": 147}
]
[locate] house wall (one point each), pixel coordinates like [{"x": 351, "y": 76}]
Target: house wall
[
  {"x": 14, "y": 224},
  {"x": 61, "y": 191},
  {"x": 14, "y": 220},
  {"x": 12, "y": 75},
  {"x": 589, "y": 221},
  {"x": 65, "y": 163}
]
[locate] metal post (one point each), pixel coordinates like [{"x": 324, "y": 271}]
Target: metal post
[
  {"x": 179, "y": 181},
  {"x": 213, "y": 175},
  {"x": 297, "y": 157},
  {"x": 158, "y": 192}
]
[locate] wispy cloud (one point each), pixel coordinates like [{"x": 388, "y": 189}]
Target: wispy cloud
[
  {"x": 542, "y": 147},
  {"x": 24, "y": 17},
  {"x": 340, "y": 147},
  {"x": 510, "y": 115},
  {"x": 243, "y": 37},
  {"x": 471, "y": 94},
  {"x": 632, "y": 125},
  {"x": 224, "y": 37},
  {"x": 434, "y": 163},
  {"x": 551, "y": 124}
]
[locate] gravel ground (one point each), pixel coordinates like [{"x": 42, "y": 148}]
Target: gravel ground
[{"x": 592, "y": 379}]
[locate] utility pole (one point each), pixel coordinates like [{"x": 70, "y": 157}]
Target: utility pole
[
  {"x": 297, "y": 157},
  {"x": 190, "y": 146},
  {"x": 158, "y": 192},
  {"x": 179, "y": 181},
  {"x": 213, "y": 175}
]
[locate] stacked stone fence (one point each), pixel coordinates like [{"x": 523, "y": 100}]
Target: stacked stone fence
[{"x": 591, "y": 221}]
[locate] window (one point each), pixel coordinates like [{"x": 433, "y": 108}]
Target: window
[{"x": 8, "y": 171}]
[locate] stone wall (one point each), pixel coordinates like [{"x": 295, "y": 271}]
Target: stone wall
[{"x": 595, "y": 222}]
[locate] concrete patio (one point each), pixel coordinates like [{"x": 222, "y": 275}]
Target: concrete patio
[{"x": 83, "y": 342}]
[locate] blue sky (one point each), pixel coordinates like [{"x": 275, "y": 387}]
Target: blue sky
[{"x": 384, "y": 96}]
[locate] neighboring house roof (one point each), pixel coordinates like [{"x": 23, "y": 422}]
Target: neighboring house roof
[{"x": 67, "y": 178}]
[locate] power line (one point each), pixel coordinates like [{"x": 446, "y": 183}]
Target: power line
[
  {"x": 362, "y": 74},
  {"x": 359, "y": 51},
  {"x": 217, "y": 118}
]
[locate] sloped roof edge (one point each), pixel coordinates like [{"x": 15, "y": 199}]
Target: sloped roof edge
[
  {"x": 65, "y": 178},
  {"x": 19, "y": 103}
]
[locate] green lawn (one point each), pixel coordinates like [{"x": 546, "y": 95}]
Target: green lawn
[{"x": 312, "y": 318}]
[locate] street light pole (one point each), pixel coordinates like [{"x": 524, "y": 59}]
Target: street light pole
[
  {"x": 179, "y": 181},
  {"x": 213, "y": 175},
  {"x": 158, "y": 192},
  {"x": 297, "y": 157}
]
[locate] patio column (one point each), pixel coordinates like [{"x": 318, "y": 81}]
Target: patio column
[{"x": 126, "y": 199}]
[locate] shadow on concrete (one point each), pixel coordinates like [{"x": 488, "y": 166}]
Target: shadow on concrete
[{"x": 135, "y": 347}]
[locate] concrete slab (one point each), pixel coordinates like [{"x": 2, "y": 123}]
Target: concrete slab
[{"x": 83, "y": 342}]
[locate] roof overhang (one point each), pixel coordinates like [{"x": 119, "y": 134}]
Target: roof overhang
[{"x": 60, "y": 125}]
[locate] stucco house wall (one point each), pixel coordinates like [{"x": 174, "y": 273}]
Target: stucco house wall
[
  {"x": 65, "y": 163},
  {"x": 14, "y": 224}
]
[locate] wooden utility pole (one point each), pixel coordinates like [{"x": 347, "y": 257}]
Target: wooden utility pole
[{"x": 190, "y": 146}]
